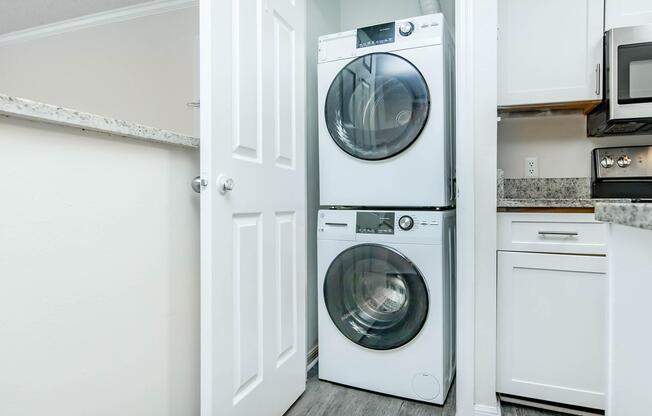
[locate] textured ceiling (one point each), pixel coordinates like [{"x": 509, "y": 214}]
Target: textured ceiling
[{"x": 23, "y": 14}]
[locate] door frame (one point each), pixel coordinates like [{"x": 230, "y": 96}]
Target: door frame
[{"x": 477, "y": 100}]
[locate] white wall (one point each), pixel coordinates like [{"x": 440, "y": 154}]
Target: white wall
[
  {"x": 143, "y": 70},
  {"x": 361, "y": 13},
  {"x": 323, "y": 18},
  {"x": 559, "y": 141},
  {"x": 99, "y": 274}
]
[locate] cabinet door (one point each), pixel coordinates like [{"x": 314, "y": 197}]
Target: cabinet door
[
  {"x": 552, "y": 327},
  {"x": 623, "y": 13},
  {"x": 549, "y": 52}
]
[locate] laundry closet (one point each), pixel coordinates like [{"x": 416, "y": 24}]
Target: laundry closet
[{"x": 383, "y": 98}]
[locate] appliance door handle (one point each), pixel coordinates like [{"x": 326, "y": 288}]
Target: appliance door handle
[
  {"x": 337, "y": 224},
  {"x": 560, "y": 233},
  {"x": 598, "y": 79}
]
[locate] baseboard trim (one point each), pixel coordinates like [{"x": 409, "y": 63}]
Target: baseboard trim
[
  {"x": 483, "y": 410},
  {"x": 110, "y": 16},
  {"x": 312, "y": 358}
]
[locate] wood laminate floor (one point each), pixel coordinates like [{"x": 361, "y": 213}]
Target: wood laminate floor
[{"x": 322, "y": 398}]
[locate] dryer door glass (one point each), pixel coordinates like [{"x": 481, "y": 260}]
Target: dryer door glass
[
  {"x": 376, "y": 297},
  {"x": 377, "y": 106}
]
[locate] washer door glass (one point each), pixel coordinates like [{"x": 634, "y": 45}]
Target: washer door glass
[
  {"x": 377, "y": 106},
  {"x": 376, "y": 297}
]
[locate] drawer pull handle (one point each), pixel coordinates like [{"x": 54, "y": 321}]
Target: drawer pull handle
[{"x": 560, "y": 233}]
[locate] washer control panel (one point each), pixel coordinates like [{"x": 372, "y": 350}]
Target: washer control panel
[
  {"x": 384, "y": 226},
  {"x": 370, "y": 222},
  {"x": 390, "y": 223}
]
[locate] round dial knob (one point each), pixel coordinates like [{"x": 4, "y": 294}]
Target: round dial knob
[
  {"x": 406, "y": 223},
  {"x": 624, "y": 161},
  {"x": 406, "y": 28},
  {"x": 607, "y": 162}
]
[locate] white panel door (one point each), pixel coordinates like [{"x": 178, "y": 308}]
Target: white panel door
[
  {"x": 623, "y": 13},
  {"x": 552, "y": 323},
  {"x": 253, "y": 206},
  {"x": 549, "y": 51}
]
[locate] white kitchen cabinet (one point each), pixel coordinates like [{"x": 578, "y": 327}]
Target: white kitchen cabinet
[
  {"x": 552, "y": 327},
  {"x": 630, "y": 309},
  {"x": 549, "y": 52},
  {"x": 623, "y": 13}
]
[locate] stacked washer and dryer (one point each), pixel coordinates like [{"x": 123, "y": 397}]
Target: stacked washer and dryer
[{"x": 386, "y": 233}]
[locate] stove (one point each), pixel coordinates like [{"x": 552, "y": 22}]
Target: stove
[{"x": 622, "y": 172}]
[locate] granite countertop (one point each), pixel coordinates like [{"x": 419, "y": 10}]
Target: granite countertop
[
  {"x": 47, "y": 113},
  {"x": 631, "y": 214},
  {"x": 547, "y": 193},
  {"x": 555, "y": 203}
]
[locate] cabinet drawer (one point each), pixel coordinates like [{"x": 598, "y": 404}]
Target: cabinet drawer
[{"x": 552, "y": 233}]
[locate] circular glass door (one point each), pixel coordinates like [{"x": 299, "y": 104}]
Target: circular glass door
[
  {"x": 377, "y": 106},
  {"x": 376, "y": 297}
]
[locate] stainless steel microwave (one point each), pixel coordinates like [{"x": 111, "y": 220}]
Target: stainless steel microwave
[{"x": 627, "y": 105}]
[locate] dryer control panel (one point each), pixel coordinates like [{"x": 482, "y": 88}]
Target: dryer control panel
[
  {"x": 376, "y": 35},
  {"x": 416, "y": 32}
]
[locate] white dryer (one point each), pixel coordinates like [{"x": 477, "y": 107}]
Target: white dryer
[
  {"x": 387, "y": 301},
  {"x": 386, "y": 100}
]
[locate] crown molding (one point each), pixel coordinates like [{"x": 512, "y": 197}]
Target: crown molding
[{"x": 97, "y": 19}]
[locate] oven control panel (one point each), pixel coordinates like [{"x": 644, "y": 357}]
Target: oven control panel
[{"x": 623, "y": 162}]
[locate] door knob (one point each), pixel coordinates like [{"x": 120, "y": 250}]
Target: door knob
[
  {"x": 225, "y": 184},
  {"x": 197, "y": 183}
]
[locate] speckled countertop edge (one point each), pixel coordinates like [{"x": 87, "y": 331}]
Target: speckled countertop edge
[
  {"x": 555, "y": 203},
  {"x": 630, "y": 214},
  {"x": 33, "y": 110},
  {"x": 547, "y": 193}
]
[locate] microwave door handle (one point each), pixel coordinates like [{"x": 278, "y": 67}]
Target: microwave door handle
[{"x": 598, "y": 79}]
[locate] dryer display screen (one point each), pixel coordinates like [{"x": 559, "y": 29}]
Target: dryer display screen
[
  {"x": 375, "y": 222},
  {"x": 376, "y": 35}
]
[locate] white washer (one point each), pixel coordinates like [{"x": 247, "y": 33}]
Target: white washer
[
  {"x": 387, "y": 115},
  {"x": 386, "y": 301}
]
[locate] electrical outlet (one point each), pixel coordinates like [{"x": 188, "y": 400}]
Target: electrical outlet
[{"x": 531, "y": 167}]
